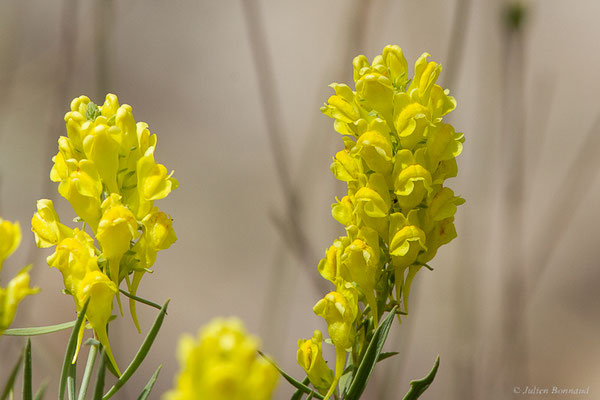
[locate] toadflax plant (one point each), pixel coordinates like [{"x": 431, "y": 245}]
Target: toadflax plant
[
  {"x": 397, "y": 212},
  {"x": 106, "y": 170}
]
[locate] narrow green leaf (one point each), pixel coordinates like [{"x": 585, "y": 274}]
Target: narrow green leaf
[
  {"x": 141, "y": 354},
  {"x": 11, "y": 379},
  {"x": 386, "y": 355},
  {"x": 27, "y": 373},
  {"x": 419, "y": 386},
  {"x": 99, "y": 387},
  {"x": 87, "y": 373},
  {"x": 71, "y": 346},
  {"x": 299, "y": 393},
  {"x": 71, "y": 381},
  {"x": 346, "y": 378},
  {"x": 39, "y": 395},
  {"x": 148, "y": 388},
  {"x": 140, "y": 299},
  {"x": 38, "y": 330},
  {"x": 364, "y": 370},
  {"x": 292, "y": 381}
]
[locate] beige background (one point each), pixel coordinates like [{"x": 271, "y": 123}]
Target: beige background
[{"x": 513, "y": 302}]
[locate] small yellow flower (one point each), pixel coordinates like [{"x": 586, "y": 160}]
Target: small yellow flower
[
  {"x": 310, "y": 357},
  {"x": 46, "y": 225},
  {"x": 10, "y": 238},
  {"x": 222, "y": 364},
  {"x": 10, "y": 297}
]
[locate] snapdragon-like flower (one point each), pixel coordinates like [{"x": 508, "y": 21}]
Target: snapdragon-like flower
[
  {"x": 106, "y": 169},
  {"x": 18, "y": 287},
  {"x": 222, "y": 364},
  {"x": 397, "y": 212}
]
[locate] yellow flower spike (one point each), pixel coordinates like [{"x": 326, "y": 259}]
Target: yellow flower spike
[
  {"x": 117, "y": 228},
  {"x": 10, "y": 297},
  {"x": 100, "y": 290},
  {"x": 102, "y": 147},
  {"x": 397, "y": 65},
  {"x": 46, "y": 226},
  {"x": 222, "y": 364},
  {"x": 82, "y": 189},
  {"x": 310, "y": 358},
  {"x": 10, "y": 238}
]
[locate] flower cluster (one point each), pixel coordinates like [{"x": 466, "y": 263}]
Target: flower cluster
[
  {"x": 222, "y": 364},
  {"x": 106, "y": 170},
  {"x": 18, "y": 287},
  {"x": 397, "y": 213}
]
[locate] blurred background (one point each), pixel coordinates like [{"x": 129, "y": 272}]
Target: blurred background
[{"x": 233, "y": 89}]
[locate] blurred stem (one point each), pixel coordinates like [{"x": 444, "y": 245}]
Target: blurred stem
[
  {"x": 272, "y": 114},
  {"x": 104, "y": 19},
  {"x": 87, "y": 374},
  {"x": 456, "y": 45},
  {"x": 513, "y": 347}
]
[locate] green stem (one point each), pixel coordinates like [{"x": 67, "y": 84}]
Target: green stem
[{"x": 87, "y": 374}]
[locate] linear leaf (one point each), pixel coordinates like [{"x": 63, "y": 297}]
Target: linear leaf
[
  {"x": 140, "y": 299},
  {"x": 141, "y": 354},
  {"x": 148, "y": 388},
  {"x": 99, "y": 386},
  {"x": 292, "y": 381},
  {"x": 419, "y": 386},
  {"x": 11, "y": 379},
  {"x": 365, "y": 368},
  {"x": 39, "y": 330},
  {"x": 39, "y": 395},
  {"x": 299, "y": 393},
  {"x": 71, "y": 346},
  {"x": 27, "y": 372},
  {"x": 386, "y": 355}
]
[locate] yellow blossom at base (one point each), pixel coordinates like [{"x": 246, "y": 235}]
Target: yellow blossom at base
[{"x": 222, "y": 364}]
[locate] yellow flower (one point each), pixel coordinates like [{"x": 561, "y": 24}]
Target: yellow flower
[
  {"x": 10, "y": 238},
  {"x": 82, "y": 188},
  {"x": 222, "y": 364},
  {"x": 46, "y": 225},
  {"x": 116, "y": 230},
  {"x": 10, "y": 297},
  {"x": 310, "y": 357},
  {"x": 97, "y": 287}
]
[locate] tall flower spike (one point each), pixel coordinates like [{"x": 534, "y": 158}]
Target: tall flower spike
[
  {"x": 106, "y": 170},
  {"x": 222, "y": 363}
]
